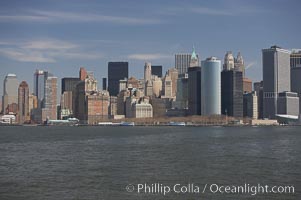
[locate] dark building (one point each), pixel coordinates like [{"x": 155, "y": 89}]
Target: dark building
[
  {"x": 258, "y": 87},
  {"x": 295, "y": 63},
  {"x": 69, "y": 84},
  {"x": 104, "y": 83},
  {"x": 194, "y": 90},
  {"x": 157, "y": 70},
  {"x": 232, "y": 93},
  {"x": 116, "y": 71}
]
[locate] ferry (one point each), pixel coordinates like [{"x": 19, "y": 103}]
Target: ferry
[
  {"x": 177, "y": 124},
  {"x": 127, "y": 124}
]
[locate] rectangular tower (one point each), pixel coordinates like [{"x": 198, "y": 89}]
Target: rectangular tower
[
  {"x": 116, "y": 71},
  {"x": 276, "y": 78}
]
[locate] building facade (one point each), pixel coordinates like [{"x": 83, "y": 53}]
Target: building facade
[
  {"x": 250, "y": 105},
  {"x": 194, "y": 91},
  {"x": 276, "y": 78},
  {"x": 10, "y": 93},
  {"x": 211, "y": 86},
  {"x": 49, "y": 110},
  {"x": 116, "y": 71},
  {"x": 232, "y": 92},
  {"x": 23, "y": 103}
]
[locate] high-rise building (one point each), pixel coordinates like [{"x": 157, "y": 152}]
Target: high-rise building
[
  {"x": 82, "y": 73},
  {"x": 173, "y": 74},
  {"x": 247, "y": 85},
  {"x": 147, "y": 71},
  {"x": 49, "y": 111},
  {"x": 40, "y": 77},
  {"x": 157, "y": 86},
  {"x": 167, "y": 87},
  {"x": 239, "y": 64},
  {"x": 276, "y": 78},
  {"x": 250, "y": 105},
  {"x": 10, "y": 93},
  {"x": 288, "y": 104},
  {"x": 104, "y": 84},
  {"x": 228, "y": 61},
  {"x": 116, "y": 71},
  {"x": 295, "y": 63},
  {"x": 69, "y": 84},
  {"x": 157, "y": 70},
  {"x": 23, "y": 103},
  {"x": 211, "y": 86},
  {"x": 194, "y": 91},
  {"x": 258, "y": 88},
  {"x": 97, "y": 107},
  {"x": 183, "y": 61},
  {"x": 182, "y": 92},
  {"x": 232, "y": 92}
]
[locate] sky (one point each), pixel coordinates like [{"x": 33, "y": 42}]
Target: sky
[{"x": 63, "y": 35}]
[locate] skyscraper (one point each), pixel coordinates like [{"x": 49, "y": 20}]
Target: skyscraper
[
  {"x": 173, "y": 74},
  {"x": 49, "y": 110},
  {"x": 157, "y": 70},
  {"x": 82, "y": 73},
  {"x": 104, "y": 84},
  {"x": 10, "y": 92},
  {"x": 68, "y": 84},
  {"x": 194, "y": 91},
  {"x": 40, "y": 77},
  {"x": 183, "y": 61},
  {"x": 23, "y": 103},
  {"x": 276, "y": 78},
  {"x": 232, "y": 92},
  {"x": 228, "y": 61},
  {"x": 211, "y": 86},
  {"x": 239, "y": 64},
  {"x": 295, "y": 63},
  {"x": 258, "y": 88},
  {"x": 147, "y": 71},
  {"x": 116, "y": 71}
]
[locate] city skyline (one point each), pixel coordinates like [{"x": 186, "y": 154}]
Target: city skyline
[{"x": 60, "y": 37}]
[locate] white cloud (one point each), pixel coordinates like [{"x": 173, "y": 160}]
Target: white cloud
[
  {"x": 149, "y": 56},
  {"x": 45, "y": 51},
  {"x": 26, "y": 56},
  {"x": 74, "y": 17}
]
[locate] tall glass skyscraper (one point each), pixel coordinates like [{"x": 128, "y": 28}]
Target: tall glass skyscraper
[
  {"x": 116, "y": 71},
  {"x": 40, "y": 77},
  {"x": 276, "y": 78},
  {"x": 10, "y": 91},
  {"x": 211, "y": 86}
]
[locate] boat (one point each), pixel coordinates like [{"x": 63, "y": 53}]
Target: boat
[
  {"x": 177, "y": 124},
  {"x": 127, "y": 124}
]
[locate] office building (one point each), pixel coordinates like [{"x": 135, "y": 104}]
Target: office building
[
  {"x": 116, "y": 71},
  {"x": 82, "y": 73},
  {"x": 69, "y": 84},
  {"x": 157, "y": 70},
  {"x": 276, "y": 78},
  {"x": 228, "y": 61},
  {"x": 173, "y": 74},
  {"x": 295, "y": 63},
  {"x": 10, "y": 94},
  {"x": 258, "y": 88},
  {"x": 211, "y": 86},
  {"x": 194, "y": 60},
  {"x": 182, "y": 92},
  {"x": 232, "y": 92},
  {"x": 288, "y": 104},
  {"x": 104, "y": 84},
  {"x": 97, "y": 107},
  {"x": 49, "y": 111},
  {"x": 167, "y": 87},
  {"x": 250, "y": 105},
  {"x": 194, "y": 91},
  {"x": 247, "y": 85},
  {"x": 239, "y": 64},
  {"x": 147, "y": 71},
  {"x": 183, "y": 61},
  {"x": 23, "y": 103},
  {"x": 40, "y": 77}
]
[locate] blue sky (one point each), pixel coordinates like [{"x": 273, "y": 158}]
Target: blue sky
[{"x": 61, "y": 36}]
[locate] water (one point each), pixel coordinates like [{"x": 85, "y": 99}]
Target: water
[{"x": 99, "y": 162}]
